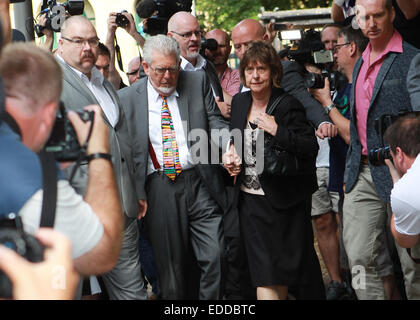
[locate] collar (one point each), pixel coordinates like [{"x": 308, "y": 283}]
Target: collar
[
  {"x": 394, "y": 45},
  {"x": 8, "y": 119},
  {"x": 95, "y": 76},
  {"x": 187, "y": 66},
  {"x": 151, "y": 91}
]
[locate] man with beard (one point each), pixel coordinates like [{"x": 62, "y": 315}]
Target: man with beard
[
  {"x": 229, "y": 78},
  {"x": 83, "y": 85},
  {"x": 184, "y": 28}
]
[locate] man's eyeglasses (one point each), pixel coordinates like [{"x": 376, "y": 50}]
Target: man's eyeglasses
[
  {"x": 161, "y": 71},
  {"x": 132, "y": 73},
  {"x": 94, "y": 42},
  {"x": 188, "y": 35},
  {"x": 338, "y": 46}
]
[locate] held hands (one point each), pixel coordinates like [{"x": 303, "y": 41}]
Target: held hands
[
  {"x": 224, "y": 108},
  {"x": 130, "y": 28},
  {"x": 266, "y": 122},
  {"x": 232, "y": 161}
]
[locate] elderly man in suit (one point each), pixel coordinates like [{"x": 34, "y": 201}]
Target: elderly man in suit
[
  {"x": 379, "y": 87},
  {"x": 168, "y": 110},
  {"x": 83, "y": 85}
]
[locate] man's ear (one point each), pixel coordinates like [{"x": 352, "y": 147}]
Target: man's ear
[
  {"x": 145, "y": 67},
  {"x": 400, "y": 155},
  {"x": 353, "y": 49}
]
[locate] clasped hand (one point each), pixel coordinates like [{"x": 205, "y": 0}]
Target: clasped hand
[{"x": 232, "y": 161}]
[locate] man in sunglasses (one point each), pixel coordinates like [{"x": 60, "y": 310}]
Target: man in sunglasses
[{"x": 83, "y": 85}]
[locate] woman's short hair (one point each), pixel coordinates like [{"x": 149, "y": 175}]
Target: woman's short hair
[{"x": 264, "y": 53}]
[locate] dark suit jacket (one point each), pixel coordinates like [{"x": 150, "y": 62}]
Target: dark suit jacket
[
  {"x": 292, "y": 83},
  {"x": 389, "y": 96},
  {"x": 295, "y": 135},
  {"x": 197, "y": 107},
  {"x": 76, "y": 95}
]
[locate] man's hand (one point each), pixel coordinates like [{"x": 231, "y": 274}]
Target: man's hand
[
  {"x": 52, "y": 279},
  {"x": 130, "y": 28},
  {"x": 99, "y": 140},
  {"x": 393, "y": 172},
  {"x": 112, "y": 26},
  {"x": 224, "y": 108},
  {"x": 326, "y": 130},
  {"x": 142, "y": 208},
  {"x": 323, "y": 95},
  {"x": 232, "y": 161}
]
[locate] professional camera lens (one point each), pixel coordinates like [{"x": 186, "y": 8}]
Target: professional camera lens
[
  {"x": 314, "y": 80},
  {"x": 121, "y": 20},
  {"x": 377, "y": 156}
]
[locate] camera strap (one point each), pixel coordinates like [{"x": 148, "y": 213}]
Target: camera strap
[
  {"x": 118, "y": 53},
  {"x": 49, "y": 181}
]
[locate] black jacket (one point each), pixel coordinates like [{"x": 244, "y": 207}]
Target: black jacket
[{"x": 294, "y": 134}]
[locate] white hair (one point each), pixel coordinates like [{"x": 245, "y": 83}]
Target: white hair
[{"x": 161, "y": 44}]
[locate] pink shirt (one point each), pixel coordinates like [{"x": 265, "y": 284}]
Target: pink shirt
[
  {"x": 365, "y": 82},
  {"x": 230, "y": 81}
]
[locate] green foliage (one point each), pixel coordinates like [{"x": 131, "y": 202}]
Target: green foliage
[{"x": 225, "y": 14}]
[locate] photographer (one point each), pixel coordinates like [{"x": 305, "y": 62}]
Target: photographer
[
  {"x": 130, "y": 28},
  {"x": 403, "y": 137},
  {"x": 32, "y": 80}
]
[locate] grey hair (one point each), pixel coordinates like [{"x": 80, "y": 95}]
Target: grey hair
[{"x": 161, "y": 44}]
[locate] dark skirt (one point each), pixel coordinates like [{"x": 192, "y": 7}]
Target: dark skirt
[{"x": 279, "y": 243}]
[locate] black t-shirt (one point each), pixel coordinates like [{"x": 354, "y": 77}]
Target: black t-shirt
[
  {"x": 409, "y": 29},
  {"x": 338, "y": 148}
]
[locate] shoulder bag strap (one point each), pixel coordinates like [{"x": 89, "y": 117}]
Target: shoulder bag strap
[
  {"x": 274, "y": 105},
  {"x": 49, "y": 177}
]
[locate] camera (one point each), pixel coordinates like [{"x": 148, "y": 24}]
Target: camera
[
  {"x": 27, "y": 246},
  {"x": 63, "y": 141},
  {"x": 56, "y": 13},
  {"x": 317, "y": 80},
  {"x": 158, "y": 12},
  {"x": 121, "y": 20},
  {"x": 377, "y": 156}
]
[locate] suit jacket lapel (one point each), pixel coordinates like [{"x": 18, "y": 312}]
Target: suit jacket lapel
[
  {"x": 142, "y": 111},
  {"x": 386, "y": 65},
  {"x": 356, "y": 70},
  {"x": 74, "y": 80},
  {"x": 183, "y": 106}
]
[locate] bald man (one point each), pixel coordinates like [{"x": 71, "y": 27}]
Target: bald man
[
  {"x": 184, "y": 28},
  {"x": 83, "y": 85},
  {"x": 133, "y": 72},
  {"x": 229, "y": 78}
]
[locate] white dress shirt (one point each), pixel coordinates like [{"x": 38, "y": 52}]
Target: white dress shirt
[
  {"x": 96, "y": 86},
  {"x": 187, "y": 66},
  {"x": 155, "y": 128}
]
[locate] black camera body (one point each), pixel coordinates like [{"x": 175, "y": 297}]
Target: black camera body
[
  {"x": 56, "y": 13},
  {"x": 317, "y": 80},
  {"x": 121, "y": 20},
  {"x": 158, "y": 12},
  {"x": 26, "y": 245},
  {"x": 377, "y": 156},
  {"x": 63, "y": 141}
]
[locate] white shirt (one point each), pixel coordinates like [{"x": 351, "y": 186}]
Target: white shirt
[
  {"x": 155, "y": 128},
  {"x": 74, "y": 218},
  {"x": 323, "y": 157},
  {"x": 187, "y": 66},
  {"x": 405, "y": 201},
  {"x": 95, "y": 85}
]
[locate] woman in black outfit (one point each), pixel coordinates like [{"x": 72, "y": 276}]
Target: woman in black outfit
[{"x": 274, "y": 210}]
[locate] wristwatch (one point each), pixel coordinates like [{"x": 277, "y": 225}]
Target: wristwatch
[{"x": 329, "y": 108}]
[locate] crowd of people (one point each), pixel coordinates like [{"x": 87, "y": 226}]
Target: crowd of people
[{"x": 207, "y": 182}]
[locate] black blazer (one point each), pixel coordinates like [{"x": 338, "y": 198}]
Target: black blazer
[{"x": 294, "y": 134}]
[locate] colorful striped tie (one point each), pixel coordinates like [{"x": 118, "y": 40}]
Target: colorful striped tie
[{"x": 171, "y": 163}]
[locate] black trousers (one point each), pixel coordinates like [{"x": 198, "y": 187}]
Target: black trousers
[{"x": 182, "y": 217}]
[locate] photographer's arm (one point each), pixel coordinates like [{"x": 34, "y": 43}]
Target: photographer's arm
[
  {"x": 5, "y": 21},
  {"x": 337, "y": 13},
  {"x": 410, "y": 8},
  {"x": 49, "y": 34},
  {"x": 102, "y": 196},
  {"x": 132, "y": 30},
  {"x": 114, "y": 76}
]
